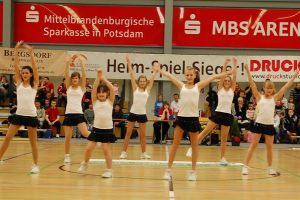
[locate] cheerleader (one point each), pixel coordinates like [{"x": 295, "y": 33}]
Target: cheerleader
[
  {"x": 74, "y": 115},
  {"x": 264, "y": 122},
  {"x": 103, "y": 97},
  {"x": 188, "y": 115},
  {"x": 27, "y": 81},
  {"x": 138, "y": 109},
  {"x": 222, "y": 116}
]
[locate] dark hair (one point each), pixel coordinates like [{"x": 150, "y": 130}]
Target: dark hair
[
  {"x": 32, "y": 77},
  {"x": 154, "y": 61},
  {"x": 166, "y": 103},
  {"x": 175, "y": 94},
  {"x": 74, "y": 74},
  {"x": 103, "y": 88},
  {"x": 46, "y": 77}
]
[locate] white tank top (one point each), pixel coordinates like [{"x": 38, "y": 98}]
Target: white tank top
[
  {"x": 139, "y": 102},
  {"x": 225, "y": 100},
  {"x": 189, "y": 99},
  {"x": 25, "y": 101},
  {"x": 103, "y": 114},
  {"x": 74, "y": 99},
  {"x": 266, "y": 109}
]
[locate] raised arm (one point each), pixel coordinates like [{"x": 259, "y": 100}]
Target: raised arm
[
  {"x": 131, "y": 73},
  {"x": 96, "y": 84},
  {"x": 83, "y": 72},
  {"x": 283, "y": 90},
  {"x": 110, "y": 87},
  {"x": 253, "y": 87},
  {"x": 204, "y": 83},
  {"x": 67, "y": 75},
  {"x": 34, "y": 65},
  {"x": 221, "y": 82},
  {"x": 172, "y": 78},
  {"x": 155, "y": 70},
  {"x": 17, "y": 63},
  {"x": 233, "y": 82}
]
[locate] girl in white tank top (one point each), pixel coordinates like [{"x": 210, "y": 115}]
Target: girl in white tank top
[
  {"x": 74, "y": 116},
  {"x": 27, "y": 80},
  {"x": 141, "y": 89},
  {"x": 222, "y": 116},
  {"x": 103, "y": 98},
  {"x": 188, "y": 115},
  {"x": 265, "y": 118}
]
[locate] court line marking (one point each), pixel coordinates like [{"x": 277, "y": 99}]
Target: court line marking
[{"x": 171, "y": 186}]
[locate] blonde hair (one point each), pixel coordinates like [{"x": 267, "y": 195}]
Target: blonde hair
[{"x": 268, "y": 82}]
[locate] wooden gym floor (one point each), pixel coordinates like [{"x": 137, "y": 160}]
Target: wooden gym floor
[{"x": 144, "y": 181}]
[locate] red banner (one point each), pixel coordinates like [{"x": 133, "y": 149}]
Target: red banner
[
  {"x": 236, "y": 28},
  {"x": 1, "y": 22},
  {"x": 89, "y": 24}
]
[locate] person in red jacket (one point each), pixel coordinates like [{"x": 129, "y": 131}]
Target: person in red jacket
[{"x": 52, "y": 119}]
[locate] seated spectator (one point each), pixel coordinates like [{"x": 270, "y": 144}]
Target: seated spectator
[
  {"x": 40, "y": 113},
  {"x": 161, "y": 127},
  {"x": 276, "y": 126},
  {"x": 289, "y": 126},
  {"x": 89, "y": 116},
  {"x": 240, "y": 113},
  {"x": 117, "y": 95},
  {"x": 3, "y": 89},
  {"x": 87, "y": 97},
  {"x": 279, "y": 106},
  {"x": 118, "y": 114},
  {"x": 46, "y": 104},
  {"x": 52, "y": 119},
  {"x": 12, "y": 91},
  {"x": 62, "y": 94}
]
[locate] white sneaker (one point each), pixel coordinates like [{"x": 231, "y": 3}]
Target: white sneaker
[
  {"x": 145, "y": 156},
  {"x": 57, "y": 135},
  {"x": 192, "y": 176},
  {"x": 83, "y": 167},
  {"x": 123, "y": 155},
  {"x": 272, "y": 172},
  {"x": 189, "y": 152},
  {"x": 223, "y": 161},
  {"x": 168, "y": 174},
  {"x": 107, "y": 174},
  {"x": 35, "y": 169},
  {"x": 67, "y": 159},
  {"x": 245, "y": 170}
]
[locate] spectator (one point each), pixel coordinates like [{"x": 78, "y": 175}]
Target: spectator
[
  {"x": 118, "y": 114},
  {"x": 162, "y": 128},
  {"x": 276, "y": 126},
  {"x": 48, "y": 86},
  {"x": 289, "y": 126},
  {"x": 40, "y": 113},
  {"x": 116, "y": 90},
  {"x": 89, "y": 116},
  {"x": 62, "y": 93},
  {"x": 3, "y": 89},
  {"x": 175, "y": 105},
  {"x": 46, "y": 104},
  {"x": 87, "y": 98},
  {"x": 158, "y": 104},
  {"x": 52, "y": 119},
  {"x": 12, "y": 91},
  {"x": 279, "y": 106},
  {"x": 295, "y": 93}
]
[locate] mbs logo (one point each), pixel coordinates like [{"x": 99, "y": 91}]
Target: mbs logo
[
  {"x": 32, "y": 15},
  {"x": 192, "y": 26}
]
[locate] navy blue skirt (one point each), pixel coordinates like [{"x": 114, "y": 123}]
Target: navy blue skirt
[
  {"x": 102, "y": 135},
  {"x": 23, "y": 120},
  {"x": 137, "y": 118},
  {"x": 188, "y": 124},
  {"x": 222, "y": 118},
  {"x": 73, "y": 119},
  {"x": 265, "y": 129}
]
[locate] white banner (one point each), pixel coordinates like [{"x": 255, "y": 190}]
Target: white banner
[
  {"x": 50, "y": 62},
  {"x": 276, "y": 68}
]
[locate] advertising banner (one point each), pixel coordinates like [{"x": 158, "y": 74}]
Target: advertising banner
[
  {"x": 236, "y": 28},
  {"x": 89, "y": 24}
]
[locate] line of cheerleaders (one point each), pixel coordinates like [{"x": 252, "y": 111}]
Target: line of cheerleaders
[{"x": 103, "y": 97}]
